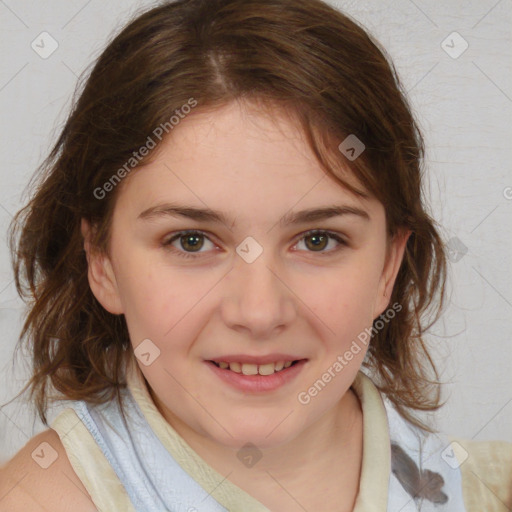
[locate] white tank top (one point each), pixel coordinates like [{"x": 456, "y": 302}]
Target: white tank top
[{"x": 143, "y": 465}]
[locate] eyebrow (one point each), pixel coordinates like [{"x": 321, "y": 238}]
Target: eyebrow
[{"x": 290, "y": 218}]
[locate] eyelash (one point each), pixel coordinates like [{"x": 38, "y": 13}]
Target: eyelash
[{"x": 167, "y": 243}]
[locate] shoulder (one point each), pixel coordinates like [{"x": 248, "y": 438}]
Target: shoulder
[
  {"x": 486, "y": 471},
  {"x": 40, "y": 477}
]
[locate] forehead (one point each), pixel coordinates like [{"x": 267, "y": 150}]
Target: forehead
[{"x": 240, "y": 158}]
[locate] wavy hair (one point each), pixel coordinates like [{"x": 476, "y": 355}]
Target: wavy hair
[{"x": 315, "y": 62}]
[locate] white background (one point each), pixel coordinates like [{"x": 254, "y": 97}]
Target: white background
[{"x": 463, "y": 105}]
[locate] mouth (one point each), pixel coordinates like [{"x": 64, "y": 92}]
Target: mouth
[
  {"x": 260, "y": 375},
  {"x": 256, "y": 369}
]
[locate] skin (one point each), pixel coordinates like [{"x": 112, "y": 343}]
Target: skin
[
  {"x": 26, "y": 486},
  {"x": 291, "y": 299}
]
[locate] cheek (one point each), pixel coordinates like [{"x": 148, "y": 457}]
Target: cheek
[
  {"x": 161, "y": 303},
  {"x": 347, "y": 290},
  {"x": 343, "y": 299},
  {"x": 145, "y": 294}
]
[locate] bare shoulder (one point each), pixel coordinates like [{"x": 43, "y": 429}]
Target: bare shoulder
[{"x": 40, "y": 478}]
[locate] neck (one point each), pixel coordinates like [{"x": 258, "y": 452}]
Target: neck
[{"x": 327, "y": 452}]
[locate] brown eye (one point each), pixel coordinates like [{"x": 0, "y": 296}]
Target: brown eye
[
  {"x": 318, "y": 241},
  {"x": 188, "y": 244},
  {"x": 192, "y": 242}
]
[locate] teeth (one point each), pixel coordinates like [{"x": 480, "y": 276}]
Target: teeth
[
  {"x": 250, "y": 369},
  {"x": 266, "y": 369},
  {"x": 254, "y": 369},
  {"x": 236, "y": 367}
]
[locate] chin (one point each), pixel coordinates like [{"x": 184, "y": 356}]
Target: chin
[
  {"x": 241, "y": 442},
  {"x": 262, "y": 434}
]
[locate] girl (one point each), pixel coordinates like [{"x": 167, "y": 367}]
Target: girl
[{"x": 230, "y": 229}]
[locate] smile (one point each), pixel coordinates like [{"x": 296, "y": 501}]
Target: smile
[
  {"x": 255, "y": 369},
  {"x": 256, "y": 378}
]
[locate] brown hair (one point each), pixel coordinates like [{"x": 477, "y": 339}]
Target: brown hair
[{"x": 302, "y": 55}]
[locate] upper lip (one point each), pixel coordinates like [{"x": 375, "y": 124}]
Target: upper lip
[{"x": 244, "y": 358}]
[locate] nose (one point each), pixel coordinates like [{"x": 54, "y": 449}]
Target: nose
[{"x": 258, "y": 302}]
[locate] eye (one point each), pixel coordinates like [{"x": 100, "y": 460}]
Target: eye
[
  {"x": 317, "y": 240},
  {"x": 188, "y": 244}
]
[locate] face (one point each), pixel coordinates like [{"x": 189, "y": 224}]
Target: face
[{"x": 249, "y": 282}]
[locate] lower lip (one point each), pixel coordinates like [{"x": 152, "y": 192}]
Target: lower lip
[{"x": 258, "y": 383}]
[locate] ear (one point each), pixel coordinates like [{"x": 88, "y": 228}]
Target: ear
[
  {"x": 100, "y": 274},
  {"x": 395, "y": 252}
]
